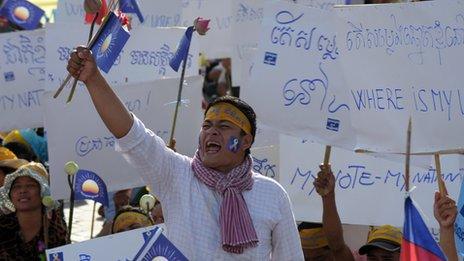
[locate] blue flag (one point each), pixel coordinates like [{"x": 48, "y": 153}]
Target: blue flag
[
  {"x": 131, "y": 7},
  {"x": 111, "y": 39},
  {"x": 459, "y": 224},
  {"x": 22, "y": 13},
  {"x": 158, "y": 246},
  {"x": 183, "y": 49},
  {"x": 89, "y": 185}
]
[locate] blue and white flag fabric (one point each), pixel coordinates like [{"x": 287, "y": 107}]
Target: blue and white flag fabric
[
  {"x": 182, "y": 50},
  {"x": 110, "y": 42},
  {"x": 131, "y": 7},
  {"x": 158, "y": 247}
]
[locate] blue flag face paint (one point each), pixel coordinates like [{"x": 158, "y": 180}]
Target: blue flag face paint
[{"x": 233, "y": 144}]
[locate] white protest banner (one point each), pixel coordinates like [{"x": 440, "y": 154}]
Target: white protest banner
[
  {"x": 128, "y": 245},
  {"x": 22, "y": 78},
  {"x": 157, "y": 13},
  {"x": 246, "y": 28},
  {"x": 405, "y": 41},
  {"x": 76, "y": 132},
  {"x": 144, "y": 58},
  {"x": 404, "y": 60},
  {"x": 369, "y": 191},
  {"x": 266, "y": 161},
  {"x": 217, "y": 41},
  {"x": 296, "y": 78},
  {"x": 322, "y": 4}
]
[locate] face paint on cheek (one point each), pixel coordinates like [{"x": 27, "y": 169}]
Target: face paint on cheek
[{"x": 234, "y": 144}]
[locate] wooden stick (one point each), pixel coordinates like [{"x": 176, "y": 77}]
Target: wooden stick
[
  {"x": 71, "y": 205},
  {"x": 93, "y": 219},
  {"x": 327, "y": 155},
  {"x": 325, "y": 169},
  {"x": 66, "y": 80},
  {"x": 45, "y": 228},
  {"x": 408, "y": 154},
  {"x": 179, "y": 96},
  {"x": 73, "y": 88},
  {"x": 441, "y": 183}
]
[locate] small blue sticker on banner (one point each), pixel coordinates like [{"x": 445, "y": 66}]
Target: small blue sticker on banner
[
  {"x": 58, "y": 256},
  {"x": 333, "y": 124},
  {"x": 85, "y": 257},
  {"x": 270, "y": 58},
  {"x": 9, "y": 76}
]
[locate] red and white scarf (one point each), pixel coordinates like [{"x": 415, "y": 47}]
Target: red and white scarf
[{"x": 237, "y": 229}]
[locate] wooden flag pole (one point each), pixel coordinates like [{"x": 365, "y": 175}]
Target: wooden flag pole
[
  {"x": 327, "y": 155},
  {"x": 441, "y": 183},
  {"x": 93, "y": 219},
  {"x": 408, "y": 155},
  {"x": 325, "y": 167},
  {"x": 71, "y": 205}
]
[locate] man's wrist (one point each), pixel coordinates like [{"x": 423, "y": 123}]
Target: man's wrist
[
  {"x": 329, "y": 196},
  {"x": 93, "y": 80},
  {"x": 447, "y": 229}
]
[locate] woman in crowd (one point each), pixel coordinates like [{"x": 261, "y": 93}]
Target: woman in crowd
[{"x": 31, "y": 227}]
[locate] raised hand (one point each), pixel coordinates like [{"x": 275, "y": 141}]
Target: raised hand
[
  {"x": 82, "y": 65},
  {"x": 325, "y": 181},
  {"x": 444, "y": 210}
]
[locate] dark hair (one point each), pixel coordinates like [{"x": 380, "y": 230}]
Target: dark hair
[
  {"x": 244, "y": 108},
  {"x": 7, "y": 170},
  {"x": 21, "y": 151}
]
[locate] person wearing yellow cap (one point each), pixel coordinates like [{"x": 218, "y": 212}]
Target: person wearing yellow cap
[
  {"x": 215, "y": 207},
  {"x": 383, "y": 243},
  {"x": 27, "y": 144},
  {"x": 314, "y": 242},
  {"x": 8, "y": 163}
]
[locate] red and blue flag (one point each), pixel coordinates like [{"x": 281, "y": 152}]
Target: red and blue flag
[{"x": 418, "y": 244}]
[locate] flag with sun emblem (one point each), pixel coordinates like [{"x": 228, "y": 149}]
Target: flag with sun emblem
[
  {"x": 89, "y": 185},
  {"x": 22, "y": 13},
  {"x": 131, "y": 6},
  {"x": 111, "y": 39},
  {"x": 158, "y": 247}
]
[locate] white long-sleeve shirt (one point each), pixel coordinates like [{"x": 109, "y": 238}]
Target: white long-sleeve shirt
[{"x": 191, "y": 209}]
